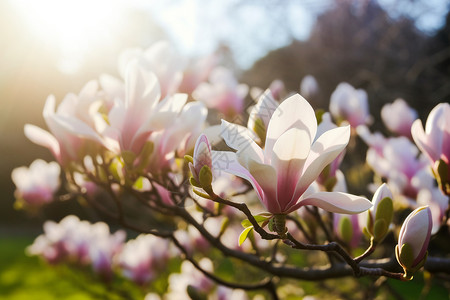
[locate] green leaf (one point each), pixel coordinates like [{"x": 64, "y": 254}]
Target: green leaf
[
  {"x": 139, "y": 183},
  {"x": 259, "y": 219},
  {"x": 244, "y": 234},
  {"x": 205, "y": 176},
  {"x": 406, "y": 256},
  {"x": 346, "y": 229},
  {"x": 195, "y": 294},
  {"x": 379, "y": 230},
  {"x": 201, "y": 194},
  {"x": 189, "y": 159},
  {"x": 385, "y": 210},
  {"x": 194, "y": 182}
]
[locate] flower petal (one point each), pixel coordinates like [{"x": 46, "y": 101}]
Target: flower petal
[
  {"x": 43, "y": 138},
  {"x": 228, "y": 162},
  {"x": 323, "y": 151},
  {"x": 293, "y": 112},
  {"x": 240, "y": 138},
  {"x": 289, "y": 155},
  {"x": 337, "y": 202},
  {"x": 266, "y": 176}
]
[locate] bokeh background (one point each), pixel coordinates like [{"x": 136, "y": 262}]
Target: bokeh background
[{"x": 391, "y": 48}]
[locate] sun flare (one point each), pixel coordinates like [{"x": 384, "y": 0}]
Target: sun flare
[{"x": 73, "y": 27}]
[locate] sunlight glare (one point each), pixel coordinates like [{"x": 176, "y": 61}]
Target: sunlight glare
[{"x": 74, "y": 27}]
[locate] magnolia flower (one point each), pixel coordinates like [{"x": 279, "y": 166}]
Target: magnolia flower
[
  {"x": 309, "y": 86},
  {"x": 437, "y": 202},
  {"x": 197, "y": 72},
  {"x": 379, "y": 216},
  {"x": 292, "y": 159},
  {"x": 398, "y": 117},
  {"x": 142, "y": 258},
  {"x": 347, "y": 229},
  {"x": 191, "y": 281},
  {"x": 71, "y": 125},
  {"x": 434, "y": 142},
  {"x": 37, "y": 184},
  {"x": 179, "y": 136},
  {"x": 222, "y": 92},
  {"x": 134, "y": 119},
  {"x": 327, "y": 178},
  {"x": 276, "y": 88},
  {"x": 396, "y": 159},
  {"x": 202, "y": 158},
  {"x": 78, "y": 242},
  {"x": 349, "y": 104},
  {"x": 162, "y": 59},
  {"x": 413, "y": 240}
]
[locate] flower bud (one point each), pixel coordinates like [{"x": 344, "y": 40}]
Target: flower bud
[
  {"x": 380, "y": 215},
  {"x": 411, "y": 251},
  {"x": 201, "y": 164}
]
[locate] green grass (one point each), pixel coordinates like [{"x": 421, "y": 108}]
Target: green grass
[{"x": 28, "y": 278}]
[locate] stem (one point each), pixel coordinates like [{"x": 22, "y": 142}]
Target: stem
[{"x": 368, "y": 251}]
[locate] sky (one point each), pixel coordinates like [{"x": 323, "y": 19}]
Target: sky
[{"x": 196, "y": 27}]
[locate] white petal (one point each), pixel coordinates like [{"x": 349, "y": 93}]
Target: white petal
[
  {"x": 323, "y": 151},
  {"x": 43, "y": 138},
  {"x": 337, "y": 202},
  {"x": 293, "y": 112},
  {"x": 240, "y": 138},
  {"x": 142, "y": 89}
]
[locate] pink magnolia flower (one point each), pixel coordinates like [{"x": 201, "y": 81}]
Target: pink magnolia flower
[
  {"x": 142, "y": 258},
  {"x": 202, "y": 157},
  {"x": 162, "y": 59},
  {"x": 349, "y": 104},
  {"x": 197, "y": 72},
  {"x": 179, "y": 136},
  {"x": 292, "y": 159},
  {"x": 333, "y": 167},
  {"x": 309, "y": 86},
  {"x": 192, "y": 278},
  {"x": 416, "y": 232},
  {"x": 396, "y": 159},
  {"x": 398, "y": 117},
  {"x": 37, "y": 184},
  {"x": 139, "y": 117},
  {"x": 222, "y": 92},
  {"x": 434, "y": 142},
  {"x": 71, "y": 125},
  {"x": 347, "y": 228}
]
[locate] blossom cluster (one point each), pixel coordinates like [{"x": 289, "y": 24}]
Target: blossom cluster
[{"x": 269, "y": 170}]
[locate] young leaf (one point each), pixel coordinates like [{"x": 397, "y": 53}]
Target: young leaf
[{"x": 244, "y": 234}]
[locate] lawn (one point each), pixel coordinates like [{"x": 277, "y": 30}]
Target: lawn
[{"x": 24, "y": 277}]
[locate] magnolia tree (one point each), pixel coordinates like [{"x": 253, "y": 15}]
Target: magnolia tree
[{"x": 261, "y": 191}]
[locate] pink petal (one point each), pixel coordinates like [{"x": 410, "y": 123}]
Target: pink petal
[
  {"x": 228, "y": 162},
  {"x": 289, "y": 155}
]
